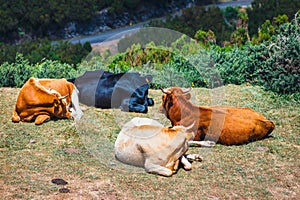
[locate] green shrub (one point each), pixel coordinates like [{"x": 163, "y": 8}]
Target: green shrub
[
  {"x": 179, "y": 72},
  {"x": 279, "y": 69},
  {"x": 273, "y": 64},
  {"x": 17, "y": 73},
  {"x": 233, "y": 65},
  {"x": 136, "y": 56},
  {"x": 54, "y": 69},
  {"x": 38, "y": 50}
]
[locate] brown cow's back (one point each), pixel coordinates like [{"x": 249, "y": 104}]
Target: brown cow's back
[{"x": 232, "y": 126}]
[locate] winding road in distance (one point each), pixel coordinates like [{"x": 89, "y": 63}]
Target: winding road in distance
[{"x": 118, "y": 33}]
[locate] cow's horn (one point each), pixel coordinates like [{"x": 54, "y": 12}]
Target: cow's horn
[
  {"x": 190, "y": 126},
  {"x": 165, "y": 91},
  {"x": 186, "y": 90},
  {"x": 63, "y": 97}
]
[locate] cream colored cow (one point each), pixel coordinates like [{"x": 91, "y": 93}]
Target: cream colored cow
[{"x": 146, "y": 143}]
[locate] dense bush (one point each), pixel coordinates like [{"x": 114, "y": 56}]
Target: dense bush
[
  {"x": 233, "y": 65},
  {"x": 17, "y": 73},
  {"x": 179, "y": 72},
  {"x": 137, "y": 55},
  {"x": 279, "y": 69},
  {"x": 274, "y": 64}
]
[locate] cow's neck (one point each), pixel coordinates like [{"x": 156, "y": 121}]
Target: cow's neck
[{"x": 185, "y": 113}]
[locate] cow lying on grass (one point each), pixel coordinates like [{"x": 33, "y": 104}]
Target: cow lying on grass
[
  {"x": 127, "y": 91},
  {"x": 222, "y": 124},
  {"x": 144, "y": 142},
  {"x": 41, "y": 99}
]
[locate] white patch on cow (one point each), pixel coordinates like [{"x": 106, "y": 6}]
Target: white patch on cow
[
  {"x": 206, "y": 143},
  {"x": 52, "y": 91},
  {"x": 139, "y": 121},
  {"x": 76, "y": 112}
]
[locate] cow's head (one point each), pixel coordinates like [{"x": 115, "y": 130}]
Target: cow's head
[
  {"x": 136, "y": 93},
  {"x": 60, "y": 105},
  {"x": 170, "y": 97}
]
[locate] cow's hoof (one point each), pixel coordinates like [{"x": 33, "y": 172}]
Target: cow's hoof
[
  {"x": 194, "y": 157},
  {"x": 15, "y": 119}
]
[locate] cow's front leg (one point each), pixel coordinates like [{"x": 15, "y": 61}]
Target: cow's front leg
[
  {"x": 157, "y": 169},
  {"x": 15, "y": 118},
  {"x": 41, "y": 119},
  {"x": 186, "y": 164}
]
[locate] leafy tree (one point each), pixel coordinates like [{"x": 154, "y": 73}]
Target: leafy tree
[
  {"x": 263, "y": 10},
  {"x": 199, "y": 18},
  {"x": 206, "y": 38},
  {"x": 267, "y": 29},
  {"x": 239, "y": 37},
  {"x": 36, "y": 18},
  {"x": 37, "y": 50}
]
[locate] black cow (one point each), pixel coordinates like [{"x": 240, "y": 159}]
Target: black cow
[{"x": 127, "y": 91}]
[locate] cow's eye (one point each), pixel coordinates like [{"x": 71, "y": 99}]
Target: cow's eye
[{"x": 170, "y": 102}]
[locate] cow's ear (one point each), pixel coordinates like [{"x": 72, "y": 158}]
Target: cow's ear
[
  {"x": 55, "y": 103},
  {"x": 187, "y": 96}
]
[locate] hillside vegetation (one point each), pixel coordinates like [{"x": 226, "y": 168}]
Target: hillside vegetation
[
  {"x": 273, "y": 63},
  {"x": 38, "y": 19}
]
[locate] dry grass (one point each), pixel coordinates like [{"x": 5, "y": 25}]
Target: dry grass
[{"x": 33, "y": 155}]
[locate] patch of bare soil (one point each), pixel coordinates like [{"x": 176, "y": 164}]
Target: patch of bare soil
[{"x": 102, "y": 47}]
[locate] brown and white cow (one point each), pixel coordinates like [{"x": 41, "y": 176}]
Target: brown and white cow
[
  {"x": 144, "y": 142},
  {"x": 42, "y": 99},
  {"x": 222, "y": 124}
]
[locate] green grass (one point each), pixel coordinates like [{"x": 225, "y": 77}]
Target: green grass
[{"x": 266, "y": 169}]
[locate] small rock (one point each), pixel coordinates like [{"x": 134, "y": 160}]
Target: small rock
[
  {"x": 59, "y": 181},
  {"x": 64, "y": 190}
]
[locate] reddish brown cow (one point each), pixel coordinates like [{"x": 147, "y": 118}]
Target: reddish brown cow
[
  {"x": 222, "y": 124},
  {"x": 41, "y": 99}
]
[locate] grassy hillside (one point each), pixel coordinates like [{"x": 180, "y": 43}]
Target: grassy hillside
[{"x": 82, "y": 154}]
